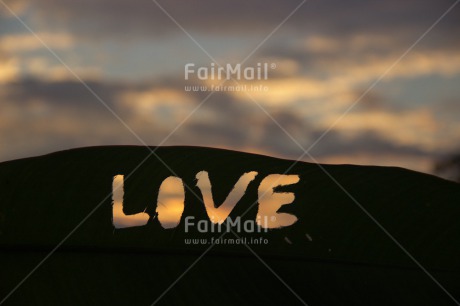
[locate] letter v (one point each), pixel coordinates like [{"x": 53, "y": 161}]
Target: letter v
[{"x": 219, "y": 214}]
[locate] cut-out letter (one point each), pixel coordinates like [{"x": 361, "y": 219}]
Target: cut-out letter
[
  {"x": 219, "y": 214},
  {"x": 170, "y": 204},
  {"x": 119, "y": 219},
  {"x": 271, "y": 201}
]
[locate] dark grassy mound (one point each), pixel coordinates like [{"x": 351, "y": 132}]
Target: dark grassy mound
[{"x": 336, "y": 255}]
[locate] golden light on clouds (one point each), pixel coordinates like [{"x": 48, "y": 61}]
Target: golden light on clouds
[
  {"x": 321, "y": 44},
  {"x": 9, "y": 70},
  {"x": 411, "y": 127},
  {"x": 288, "y": 90},
  {"x": 29, "y": 42},
  {"x": 162, "y": 104}
]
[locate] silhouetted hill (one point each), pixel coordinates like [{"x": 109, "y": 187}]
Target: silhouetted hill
[{"x": 333, "y": 255}]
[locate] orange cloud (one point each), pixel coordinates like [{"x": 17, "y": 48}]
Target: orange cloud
[
  {"x": 9, "y": 70},
  {"x": 28, "y": 42},
  {"x": 417, "y": 127}
]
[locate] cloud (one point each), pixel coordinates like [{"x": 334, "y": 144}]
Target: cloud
[
  {"x": 119, "y": 17},
  {"x": 327, "y": 53},
  {"x": 18, "y": 6},
  {"x": 69, "y": 95},
  {"x": 363, "y": 57},
  {"x": 371, "y": 143},
  {"x": 9, "y": 70},
  {"x": 330, "y": 44},
  {"x": 157, "y": 106},
  {"x": 25, "y": 56},
  {"x": 45, "y": 69},
  {"x": 329, "y": 71},
  {"x": 40, "y": 117},
  {"x": 28, "y": 42}
]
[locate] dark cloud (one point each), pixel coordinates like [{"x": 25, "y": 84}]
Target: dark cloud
[
  {"x": 365, "y": 142},
  {"x": 44, "y": 116},
  {"x": 118, "y": 17},
  {"x": 67, "y": 115},
  {"x": 40, "y": 117},
  {"x": 66, "y": 94}
]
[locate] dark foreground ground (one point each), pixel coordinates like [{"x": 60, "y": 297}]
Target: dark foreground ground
[{"x": 334, "y": 255}]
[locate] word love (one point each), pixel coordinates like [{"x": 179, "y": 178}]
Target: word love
[{"x": 171, "y": 201}]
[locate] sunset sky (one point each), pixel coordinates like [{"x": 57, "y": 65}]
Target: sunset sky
[{"x": 398, "y": 60}]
